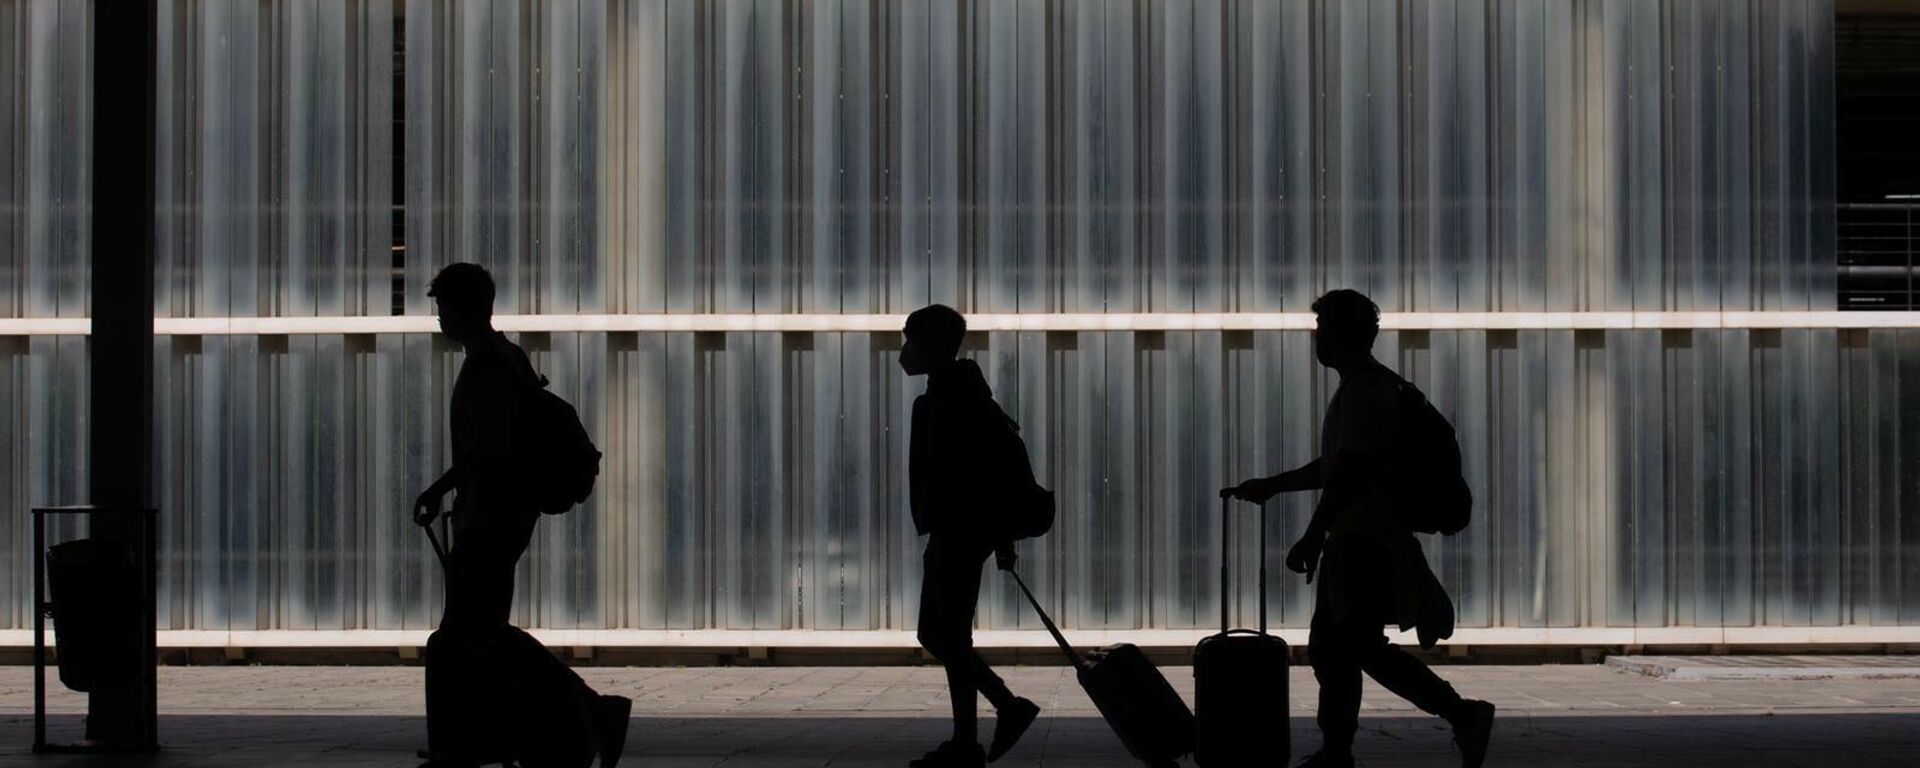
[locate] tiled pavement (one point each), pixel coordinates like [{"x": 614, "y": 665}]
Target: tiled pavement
[
  {"x": 741, "y": 717},
  {"x": 1770, "y": 667}
]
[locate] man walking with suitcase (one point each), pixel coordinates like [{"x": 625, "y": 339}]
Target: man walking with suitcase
[
  {"x": 493, "y": 518},
  {"x": 1369, "y": 565},
  {"x": 951, "y": 475}
]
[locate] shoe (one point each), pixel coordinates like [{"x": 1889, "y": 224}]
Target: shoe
[
  {"x": 1472, "y": 728},
  {"x": 445, "y": 761},
  {"x": 952, "y": 755},
  {"x": 441, "y": 762},
  {"x": 610, "y": 723},
  {"x": 1010, "y": 724},
  {"x": 1325, "y": 759}
]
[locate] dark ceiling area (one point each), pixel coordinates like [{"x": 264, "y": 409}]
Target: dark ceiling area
[
  {"x": 1877, "y": 89},
  {"x": 1877, "y": 84}
]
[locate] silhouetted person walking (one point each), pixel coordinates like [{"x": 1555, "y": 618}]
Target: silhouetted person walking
[
  {"x": 950, "y": 473},
  {"x": 1370, "y": 568},
  {"x": 483, "y": 675},
  {"x": 491, "y": 521}
]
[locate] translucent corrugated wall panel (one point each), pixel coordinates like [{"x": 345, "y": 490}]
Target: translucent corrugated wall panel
[
  {"x": 1086, "y": 157},
  {"x": 44, "y": 240}
]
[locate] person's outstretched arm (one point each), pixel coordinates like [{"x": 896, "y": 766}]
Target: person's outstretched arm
[{"x": 1306, "y": 477}]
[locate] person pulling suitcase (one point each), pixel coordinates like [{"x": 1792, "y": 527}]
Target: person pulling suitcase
[
  {"x": 972, "y": 494},
  {"x": 519, "y": 452},
  {"x": 1389, "y": 466}
]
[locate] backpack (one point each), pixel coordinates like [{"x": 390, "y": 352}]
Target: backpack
[
  {"x": 560, "y": 460},
  {"x": 1434, "y": 496},
  {"x": 1026, "y": 508}
]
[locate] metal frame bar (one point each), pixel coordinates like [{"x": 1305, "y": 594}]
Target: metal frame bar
[
  {"x": 1027, "y": 638},
  {"x": 986, "y": 322}
]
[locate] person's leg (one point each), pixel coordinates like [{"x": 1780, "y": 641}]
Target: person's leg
[
  {"x": 480, "y": 576},
  {"x": 960, "y": 595},
  {"x": 946, "y": 626},
  {"x": 1411, "y": 679},
  {"x": 1368, "y": 576},
  {"x": 1408, "y": 677},
  {"x": 1338, "y": 673},
  {"x": 443, "y": 696},
  {"x": 966, "y": 705},
  {"x": 493, "y": 590},
  {"x": 460, "y": 609},
  {"x": 937, "y": 634}
]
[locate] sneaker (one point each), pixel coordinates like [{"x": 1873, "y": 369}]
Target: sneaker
[
  {"x": 445, "y": 761},
  {"x": 1010, "y": 724},
  {"x": 1325, "y": 759},
  {"x": 952, "y": 755},
  {"x": 1472, "y": 728},
  {"x": 610, "y": 723}
]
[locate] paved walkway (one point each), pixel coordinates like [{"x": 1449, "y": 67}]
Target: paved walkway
[
  {"x": 1771, "y": 667},
  {"x": 1588, "y": 715}
]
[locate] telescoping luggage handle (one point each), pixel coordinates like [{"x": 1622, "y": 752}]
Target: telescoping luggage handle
[
  {"x": 439, "y": 552},
  {"x": 1226, "y": 560},
  {"x": 1072, "y": 655}
]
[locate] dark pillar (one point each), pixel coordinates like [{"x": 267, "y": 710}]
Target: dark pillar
[{"x": 121, "y": 354}]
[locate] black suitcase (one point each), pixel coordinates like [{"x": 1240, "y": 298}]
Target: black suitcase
[
  {"x": 502, "y": 697},
  {"x": 1240, "y": 679},
  {"x": 1144, "y": 710}
]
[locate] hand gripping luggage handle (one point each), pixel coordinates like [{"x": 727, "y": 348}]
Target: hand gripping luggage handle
[
  {"x": 1072, "y": 655},
  {"x": 1226, "y": 559}
]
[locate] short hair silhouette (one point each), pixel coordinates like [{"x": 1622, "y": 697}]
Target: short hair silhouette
[
  {"x": 1348, "y": 315},
  {"x": 463, "y": 286},
  {"x": 939, "y": 327}
]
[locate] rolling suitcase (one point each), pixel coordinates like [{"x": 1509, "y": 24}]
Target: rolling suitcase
[
  {"x": 502, "y": 697},
  {"x": 1240, "y": 679},
  {"x": 1144, "y": 710}
]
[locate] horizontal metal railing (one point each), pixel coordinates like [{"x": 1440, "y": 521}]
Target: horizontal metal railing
[
  {"x": 1876, "y": 254},
  {"x": 1063, "y": 322}
]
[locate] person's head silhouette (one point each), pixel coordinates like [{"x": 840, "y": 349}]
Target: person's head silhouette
[
  {"x": 934, "y": 333},
  {"x": 1347, "y": 322},
  {"x": 463, "y": 295}
]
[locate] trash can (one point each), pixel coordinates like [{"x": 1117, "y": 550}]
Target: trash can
[{"x": 94, "y": 588}]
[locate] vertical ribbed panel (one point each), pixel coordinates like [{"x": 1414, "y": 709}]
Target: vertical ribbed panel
[{"x": 845, "y": 156}]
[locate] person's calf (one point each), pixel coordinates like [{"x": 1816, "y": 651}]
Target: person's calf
[
  {"x": 1472, "y": 729},
  {"x": 1011, "y": 723},
  {"x": 610, "y": 727}
]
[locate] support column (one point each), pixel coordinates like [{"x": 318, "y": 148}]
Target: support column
[{"x": 120, "y": 415}]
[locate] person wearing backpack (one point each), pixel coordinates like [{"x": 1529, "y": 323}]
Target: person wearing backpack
[
  {"x": 1385, "y": 470},
  {"x": 962, "y": 480},
  {"x": 505, "y": 429}
]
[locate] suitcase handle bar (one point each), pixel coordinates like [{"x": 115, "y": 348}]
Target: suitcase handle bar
[
  {"x": 439, "y": 552},
  {"x": 1079, "y": 662},
  {"x": 1226, "y": 560}
]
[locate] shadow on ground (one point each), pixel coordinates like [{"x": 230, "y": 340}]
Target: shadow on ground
[{"x": 309, "y": 740}]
